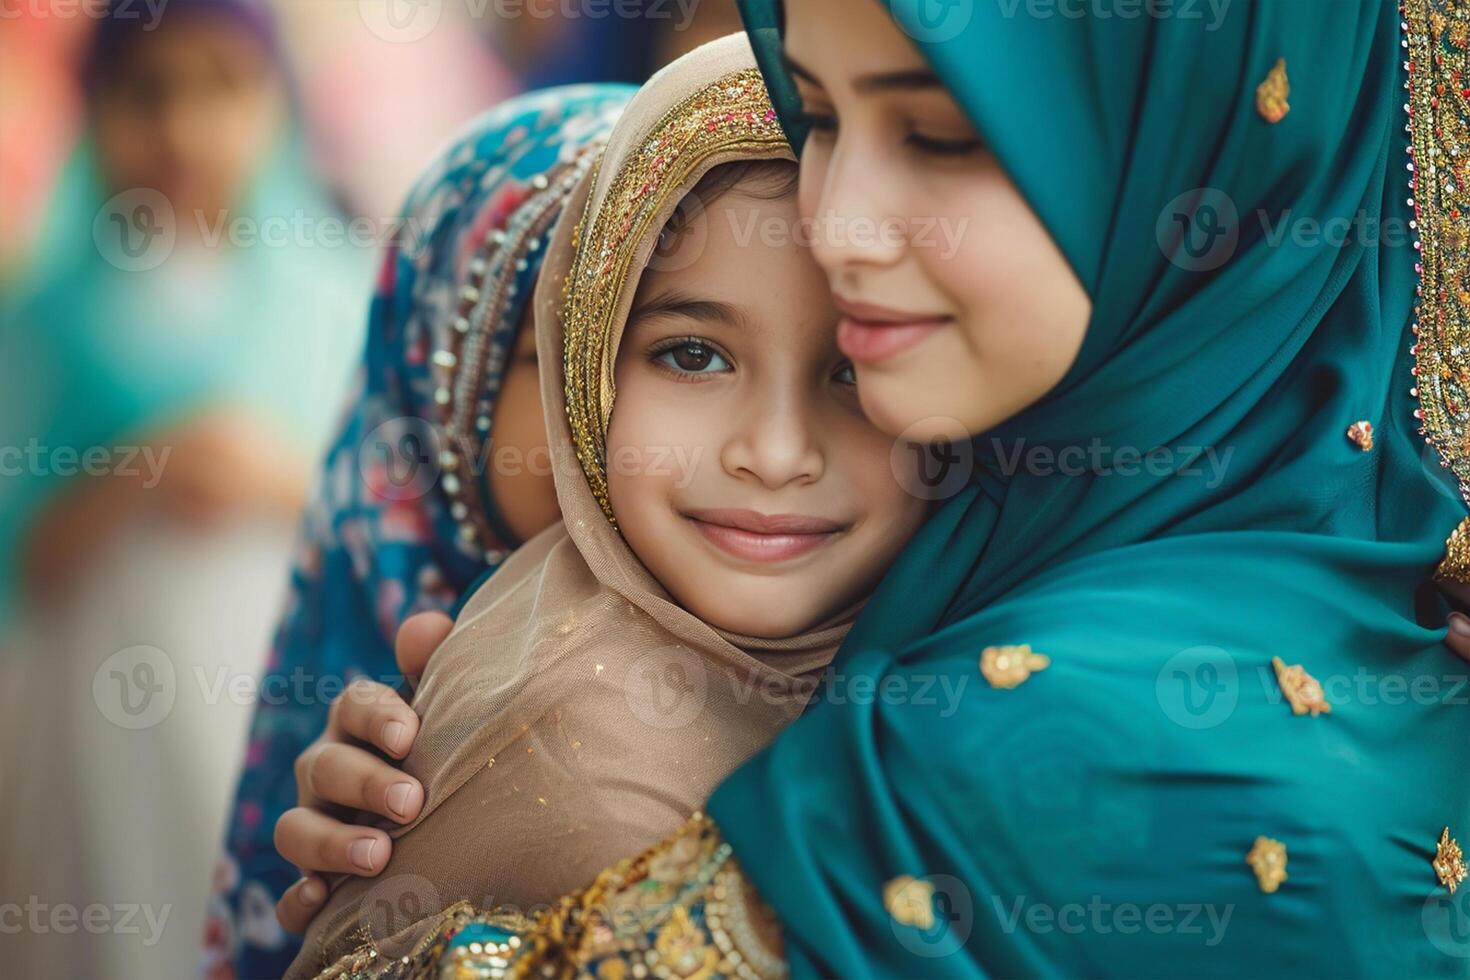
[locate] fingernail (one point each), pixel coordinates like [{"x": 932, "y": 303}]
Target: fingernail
[
  {"x": 361, "y": 852},
  {"x": 393, "y": 735},
  {"x": 313, "y": 892},
  {"x": 398, "y": 795},
  {"x": 1460, "y": 623}
]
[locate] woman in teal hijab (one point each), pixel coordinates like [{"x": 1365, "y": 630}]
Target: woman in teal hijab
[
  {"x": 1131, "y": 712},
  {"x": 1098, "y": 816}
]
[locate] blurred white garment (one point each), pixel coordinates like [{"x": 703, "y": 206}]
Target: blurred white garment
[{"x": 123, "y": 724}]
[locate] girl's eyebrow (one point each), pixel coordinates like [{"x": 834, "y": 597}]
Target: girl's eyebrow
[
  {"x": 902, "y": 79},
  {"x": 676, "y": 303}
]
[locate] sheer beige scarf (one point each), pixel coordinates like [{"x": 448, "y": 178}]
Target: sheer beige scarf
[{"x": 577, "y": 715}]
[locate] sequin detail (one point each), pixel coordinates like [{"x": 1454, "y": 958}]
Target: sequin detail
[
  {"x": 1267, "y": 859},
  {"x": 1456, "y": 564},
  {"x": 1360, "y": 434},
  {"x": 1449, "y": 861},
  {"x": 910, "y": 901},
  {"x": 1437, "y": 38},
  {"x": 732, "y": 116},
  {"x": 1272, "y": 93},
  {"x": 1008, "y": 667},
  {"x": 1302, "y": 691}
]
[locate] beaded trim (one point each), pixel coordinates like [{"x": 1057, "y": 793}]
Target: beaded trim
[
  {"x": 1437, "y": 38},
  {"x": 472, "y": 351},
  {"x": 729, "y": 115}
]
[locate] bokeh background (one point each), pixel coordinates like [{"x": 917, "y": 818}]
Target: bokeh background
[{"x": 192, "y": 201}]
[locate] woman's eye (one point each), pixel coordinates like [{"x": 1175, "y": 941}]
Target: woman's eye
[
  {"x": 818, "y": 122},
  {"x": 692, "y": 357},
  {"x": 845, "y": 375},
  {"x": 943, "y": 147}
]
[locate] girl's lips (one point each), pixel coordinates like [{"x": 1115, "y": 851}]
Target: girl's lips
[
  {"x": 749, "y": 536},
  {"x": 870, "y": 333}
]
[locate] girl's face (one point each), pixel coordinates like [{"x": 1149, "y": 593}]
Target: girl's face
[
  {"x": 740, "y": 467},
  {"x": 188, "y": 110},
  {"x": 955, "y": 302}
]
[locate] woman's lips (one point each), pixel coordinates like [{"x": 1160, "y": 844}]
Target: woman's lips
[
  {"x": 752, "y": 536},
  {"x": 870, "y": 333}
]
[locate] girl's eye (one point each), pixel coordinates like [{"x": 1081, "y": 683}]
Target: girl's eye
[
  {"x": 845, "y": 375},
  {"x": 942, "y": 147},
  {"x": 692, "y": 357}
]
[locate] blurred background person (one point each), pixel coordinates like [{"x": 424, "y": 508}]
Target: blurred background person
[{"x": 170, "y": 369}]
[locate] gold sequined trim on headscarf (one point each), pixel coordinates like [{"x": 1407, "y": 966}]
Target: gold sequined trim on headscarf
[{"x": 731, "y": 115}]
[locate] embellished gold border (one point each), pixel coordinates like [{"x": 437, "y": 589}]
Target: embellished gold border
[
  {"x": 1437, "y": 42},
  {"x": 732, "y": 114}
]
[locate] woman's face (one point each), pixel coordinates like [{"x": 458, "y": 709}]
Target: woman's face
[
  {"x": 188, "y": 110},
  {"x": 956, "y": 304}
]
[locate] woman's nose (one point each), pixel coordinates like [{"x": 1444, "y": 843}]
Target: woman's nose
[{"x": 853, "y": 223}]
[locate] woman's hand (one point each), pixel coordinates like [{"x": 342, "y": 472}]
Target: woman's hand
[
  {"x": 340, "y": 774},
  {"x": 1459, "y": 635}
]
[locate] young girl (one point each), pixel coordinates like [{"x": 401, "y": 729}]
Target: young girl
[{"x": 726, "y": 504}]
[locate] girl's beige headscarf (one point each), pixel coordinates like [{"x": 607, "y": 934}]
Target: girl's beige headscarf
[{"x": 577, "y": 715}]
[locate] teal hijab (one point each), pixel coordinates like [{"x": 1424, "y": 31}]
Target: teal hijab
[{"x": 1096, "y": 818}]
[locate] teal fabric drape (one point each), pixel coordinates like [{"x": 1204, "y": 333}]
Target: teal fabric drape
[{"x": 1096, "y": 818}]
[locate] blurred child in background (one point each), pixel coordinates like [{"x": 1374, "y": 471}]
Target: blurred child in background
[{"x": 169, "y": 374}]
